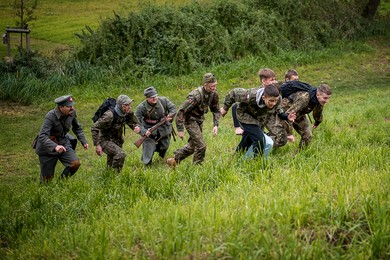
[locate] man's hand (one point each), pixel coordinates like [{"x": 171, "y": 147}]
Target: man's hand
[
  {"x": 239, "y": 131},
  {"x": 148, "y": 133},
  {"x": 215, "y": 130},
  {"x": 291, "y": 138},
  {"x": 85, "y": 146},
  {"x": 60, "y": 149},
  {"x": 315, "y": 126},
  {"x": 137, "y": 129},
  {"x": 292, "y": 116},
  {"x": 180, "y": 134},
  {"x": 168, "y": 119},
  {"x": 99, "y": 150},
  {"x": 222, "y": 111}
]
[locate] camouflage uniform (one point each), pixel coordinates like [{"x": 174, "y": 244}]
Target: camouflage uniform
[
  {"x": 191, "y": 116},
  {"x": 302, "y": 103},
  {"x": 54, "y": 131},
  {"x": 252, "y": 114},
  {"x": 107, "y": 132},
  {"x": 148, "y": 116}
]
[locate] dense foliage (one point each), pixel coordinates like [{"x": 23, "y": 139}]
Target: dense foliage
[{"x": 171, "y": 40}]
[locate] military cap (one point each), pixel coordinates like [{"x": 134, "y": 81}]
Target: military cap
[
  {"x": 150, "y": 92},
  {"x": 65, "y": 101},
  {"x": 123, "y": 100},
  {"x": 209, "y": 78}
]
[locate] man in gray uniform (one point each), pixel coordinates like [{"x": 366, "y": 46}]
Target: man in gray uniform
[
  {"x": 54, "y": 142},
  {"x": 191, "y": 116},
  {"x": 107, "y": 132},
  {"x": 150, "y": 112}
]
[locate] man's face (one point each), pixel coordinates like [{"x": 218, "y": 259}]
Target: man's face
[
  {"x": 270, "y": 102},
  {"x": 211, "y": 87},
  {"x": 126, "y": 108},
  {"x": 268, "y": 81},
  {"x": 152, "y": 100},
  {"x": 322, "y": 98},
  {"x": 67, "y": 110}
]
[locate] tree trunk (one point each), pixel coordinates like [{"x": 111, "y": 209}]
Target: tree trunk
[{"x": 370, "y": 9}]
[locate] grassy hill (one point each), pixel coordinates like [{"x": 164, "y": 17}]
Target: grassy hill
[
  {"x": 328, "y": 201},
  {"x": 57, "y": 21}
]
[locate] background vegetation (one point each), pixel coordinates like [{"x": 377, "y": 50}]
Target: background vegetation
[
  {"x": 329, "y": 201},
  {"x": 176, "y": 40}
]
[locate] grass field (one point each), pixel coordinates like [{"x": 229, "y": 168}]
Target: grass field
[
  {"x": 57, "y": 21},
  {"x": 329, "y": 201}
]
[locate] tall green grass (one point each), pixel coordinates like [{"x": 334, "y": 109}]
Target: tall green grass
[{"x": 328, "y": 201}]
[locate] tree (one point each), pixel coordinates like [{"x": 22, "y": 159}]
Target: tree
[
  {"x": 24, "y": 12},
  {"x": 370, "y": 9}
]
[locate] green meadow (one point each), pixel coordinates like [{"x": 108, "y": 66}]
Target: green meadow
[
  {"x": 330, "y": 200},
  {"x": 57, "y": 21}
]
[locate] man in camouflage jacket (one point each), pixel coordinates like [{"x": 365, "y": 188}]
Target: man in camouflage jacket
[
  {"x": 53, "y": 141},
  {"x": 304, "y": 102},
  {"x": 191, "y": 116},
  {"x": 254, "y": 107},
  {"x": 107, "y": 132},
  {"x": 149, "y": 113}
]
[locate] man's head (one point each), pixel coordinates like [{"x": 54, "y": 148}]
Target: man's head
[
  {"x": 270, "y": 96},
  {"x": 267, "y": 77},
  {"x": 210, "y": 82},
  {"x": 291, "y": 75},
  {"x": 65, "y": 104},
  {"x": 124, "y": 103},
  {"x": 150, "y": 94},
  {"x": 323, "y": 94}
]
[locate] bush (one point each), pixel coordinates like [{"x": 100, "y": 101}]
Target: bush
[
  {"x": 31, "y": 77},
  {"x": 176, "y": 41}
]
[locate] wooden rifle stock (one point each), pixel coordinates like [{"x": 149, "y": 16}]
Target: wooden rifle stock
[{"x": 142, "y": 138}]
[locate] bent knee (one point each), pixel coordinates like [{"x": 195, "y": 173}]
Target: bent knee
[{"x": 74, "y": 166}]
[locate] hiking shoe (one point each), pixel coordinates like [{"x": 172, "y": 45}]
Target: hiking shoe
[{"x": 171, "y": 162}]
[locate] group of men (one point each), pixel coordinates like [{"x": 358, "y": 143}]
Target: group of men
[{"x": 254, "y": 110}]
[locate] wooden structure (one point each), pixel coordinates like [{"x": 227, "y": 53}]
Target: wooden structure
[{"x": 7, "y": 37}]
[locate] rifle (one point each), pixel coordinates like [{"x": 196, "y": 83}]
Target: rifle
[{"x": 142, "y": 138}]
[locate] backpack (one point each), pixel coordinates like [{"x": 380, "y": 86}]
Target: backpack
[
  {"x": 108, "y": 103},
  {"x": 290, "y": 87}
]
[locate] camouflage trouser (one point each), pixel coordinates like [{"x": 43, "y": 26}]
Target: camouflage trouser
[
  {"x": 151, "y": 145},
  {"x": 196, "y": 143},
  {"x": 277, "y": 130},
  {"x": 302, "y": 126},
  {"x": 115, "y": 154}
]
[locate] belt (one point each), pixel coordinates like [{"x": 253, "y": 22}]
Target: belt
[{"x": 150, "y": 121}]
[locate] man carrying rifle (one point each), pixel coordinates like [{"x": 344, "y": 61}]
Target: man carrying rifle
[{"x": 151, "y": 112}]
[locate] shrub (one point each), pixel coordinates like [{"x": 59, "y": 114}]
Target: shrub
[{"x": 174, "y": 41}]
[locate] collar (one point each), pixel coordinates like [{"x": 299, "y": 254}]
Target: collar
[
  {"x": 58, "y": 113},
  {"x": 259, "y": 100}
]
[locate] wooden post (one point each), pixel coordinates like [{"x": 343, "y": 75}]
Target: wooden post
[
  {"x": 17, "y": 30},
  {"x": 28, "y": 40},
  {"x": 8, "y": 42}
]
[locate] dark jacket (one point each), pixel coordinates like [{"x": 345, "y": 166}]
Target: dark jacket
[{"x": 54, "y": 132}]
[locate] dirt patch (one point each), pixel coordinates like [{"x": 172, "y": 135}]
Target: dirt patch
[{"x": 8, "y": 108}]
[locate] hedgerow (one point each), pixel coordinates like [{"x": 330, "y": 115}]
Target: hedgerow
[{"x": 177, "y": 40}]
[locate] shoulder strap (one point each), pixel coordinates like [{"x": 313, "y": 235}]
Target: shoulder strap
[{"x": 164, "y": 107}]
